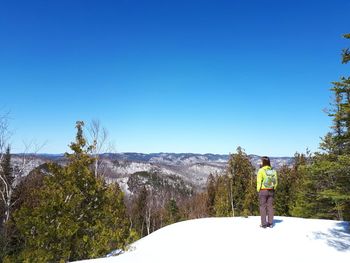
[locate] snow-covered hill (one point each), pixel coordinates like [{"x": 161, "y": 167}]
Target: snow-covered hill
[
  {"x": 193, "y": 169},
  {"x": 241, "y": 240}
]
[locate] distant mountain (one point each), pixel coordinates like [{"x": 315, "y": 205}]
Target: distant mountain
[
  {"x": 169, "y": 158},
  {"x": 190, "y": 158},
  {"x": 176, "y": 158},
  {"x": 193, "y": 169}
]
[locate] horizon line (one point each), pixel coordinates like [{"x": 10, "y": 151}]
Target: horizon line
[{"x": 177, "y": 153}]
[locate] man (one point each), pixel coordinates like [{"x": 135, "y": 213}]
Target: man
[{"x": 266, "y": 185}]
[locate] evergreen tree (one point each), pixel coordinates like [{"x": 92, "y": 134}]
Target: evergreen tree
[
  {"x": 23, "y": 193},
  {"x": 76, "y": 217},
  {"x": 339, "y": 140},
  {"x": 172, "y": 214},
  {"x": 325, "y": 184},
  {"x": 115, "y": 227},
  {"x": 336, "y": 176},
  {"x": 6, "y": 166},
  {"x": 295, "y": 179},
  {"x": 138, "y": 213},
  {"x": 283, "y": 195},
  {"x": 235, "y": 192},
  {"x": 211, "y": 195},
  {"x": 324, "y": 189},
  {"x": 222, "y": 202},
  {"x": 243, "y": 184},
  {"x": 346, "y": 52}
]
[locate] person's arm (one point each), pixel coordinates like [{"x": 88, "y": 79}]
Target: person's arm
[
  {"x": 258, "y": 180},
  {"x": 275, "y": 186}
]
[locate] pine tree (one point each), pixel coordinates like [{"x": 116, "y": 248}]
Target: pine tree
[
  {"x": 338, "y": 141},
  {"x": 346, "y": 52},
  {"x": 211, "y": 195},
  {"x": 283, "y": 195},
  {"x": 172, "y": 213},
  {"x": 139, "y": 209},
  {"x": 76, "y": 217},
  {"x": 325, "y": 184},
  {"x": 296, "y": 176},
  {"x": 243, "y": 184},
  {"x": 305, "y": 205},
  {"x": 324, "y": 191},
  {"x": 222, "y": 202},
  {"x": 235, "y": 192},
  {"x": 115, "y": 227},
  {"x": 341, "y": 118},
  {"x": 23, "y": 193}
]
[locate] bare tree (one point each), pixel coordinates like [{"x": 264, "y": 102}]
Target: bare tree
[
  {"x": 99, "y": 143},
  {"x": 150, "y": 208},
  {"x": 27, "y": 159},
  {"x": 18, "y": 170},
  {"x": 6, "y": 180},
  {"x": 5, "y": 134},
  {"x": 6, "y": 189}
]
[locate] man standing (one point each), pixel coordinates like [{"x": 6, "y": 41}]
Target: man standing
[{"x": 266, "y": 185}]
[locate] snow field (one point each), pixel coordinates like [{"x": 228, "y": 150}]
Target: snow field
[{"x": 241, "y": 240}]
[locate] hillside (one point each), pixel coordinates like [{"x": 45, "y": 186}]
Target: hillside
[
  {"x": 192, "y": 169},
  {"x": 241, "y": 240}
]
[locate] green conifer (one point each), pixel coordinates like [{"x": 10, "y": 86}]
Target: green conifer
[
  {"x": 243, "y": 187},
  {"x": 172, "y": 213},
  {"x": 211, "y": 195},
  {"x": 76, "y": 217},
  {"x": 346, "y": 52},
  {"x": 222, "y": 202},
  {"x": 138, "y": 213},
  {"x": 325, "y": 183}
]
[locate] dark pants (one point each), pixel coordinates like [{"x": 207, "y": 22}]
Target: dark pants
[{"x": 266, "y": 206}]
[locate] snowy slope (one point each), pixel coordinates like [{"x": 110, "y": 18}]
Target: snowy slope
[{"x": 241, "y": 240}]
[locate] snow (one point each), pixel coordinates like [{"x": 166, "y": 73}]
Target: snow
[
  {"x": 123, "y": 183},
  {"x": 241, "y": 239},
  {"x": 132, "y": 167}
]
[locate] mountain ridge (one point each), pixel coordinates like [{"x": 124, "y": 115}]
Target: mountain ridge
[
  {"x": 192, "y": 168},
  {"x": 138, "y": 156}
]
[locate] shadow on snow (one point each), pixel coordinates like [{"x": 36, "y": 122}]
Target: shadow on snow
[{"x": 337, "y": 237}]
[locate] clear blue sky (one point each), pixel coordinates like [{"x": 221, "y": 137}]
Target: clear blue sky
[{"x": 173, "y": 76}]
